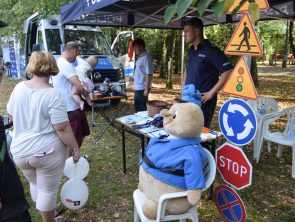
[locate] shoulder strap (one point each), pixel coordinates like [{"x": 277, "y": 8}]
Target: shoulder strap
[{"x": 173, "y": 171}]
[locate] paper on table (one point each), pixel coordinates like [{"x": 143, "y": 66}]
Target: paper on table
[
  {"x": 211, "y": 135},
  {"x": 130, "y": 119},
  {"x": 142, "y": 114},
  {"x": 158, "y": 133},
  {"x": 144, "y": 121},
  {"x": 149, "y": 129}
]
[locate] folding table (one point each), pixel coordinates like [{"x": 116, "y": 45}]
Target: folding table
[
  {"x": 208, "y": 140},
  {"x": 100, "y": 107}
]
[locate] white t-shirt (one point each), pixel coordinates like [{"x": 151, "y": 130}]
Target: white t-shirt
[
  {"x": 62, "y": 83},
  {"x": 144, "y": 66},
  {"x": 34, "y": 111}
]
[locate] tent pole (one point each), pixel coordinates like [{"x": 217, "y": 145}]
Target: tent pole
[{"x": 182, "y": 58}]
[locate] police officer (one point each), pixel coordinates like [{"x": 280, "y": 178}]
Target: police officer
[{"x": 207, "y": 67}]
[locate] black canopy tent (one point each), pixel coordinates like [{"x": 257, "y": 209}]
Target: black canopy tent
[{"x": 150, "y": 13}]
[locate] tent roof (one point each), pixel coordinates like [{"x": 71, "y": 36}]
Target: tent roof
[{"x": 150, "y": 13}]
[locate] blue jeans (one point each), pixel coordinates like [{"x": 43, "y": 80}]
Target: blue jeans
[{"x": 139, "y": 101}]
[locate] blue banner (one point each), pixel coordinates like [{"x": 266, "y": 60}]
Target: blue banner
[{"x": 13, "y": 67}]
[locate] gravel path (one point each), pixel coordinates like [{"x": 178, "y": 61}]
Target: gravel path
[{"x": 290, "y": 70}]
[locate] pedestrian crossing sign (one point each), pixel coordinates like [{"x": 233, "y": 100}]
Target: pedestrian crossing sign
[
  {"x": 244, "y": 41},
  {"x": 262, "y": 5},
  {"x": 240, "y": 82}
]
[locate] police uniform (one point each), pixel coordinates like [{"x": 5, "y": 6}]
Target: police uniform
[
  {"x": 181, "y": 154},
  {"x": 143, "y": 67},
  {"x": 204, "y": 66}
]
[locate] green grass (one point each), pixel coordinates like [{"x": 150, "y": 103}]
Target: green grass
[{"x": 270, "y": 198}]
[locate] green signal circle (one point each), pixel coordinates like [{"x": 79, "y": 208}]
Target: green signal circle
[{"x": 239, "y": 87}]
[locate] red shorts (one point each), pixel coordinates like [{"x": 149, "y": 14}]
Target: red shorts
[{"x": 79, "y": 124}]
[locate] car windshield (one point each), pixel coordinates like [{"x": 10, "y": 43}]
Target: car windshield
[
  {"x": 90, "y": 42},
  {"x": 53, "y": 41}
]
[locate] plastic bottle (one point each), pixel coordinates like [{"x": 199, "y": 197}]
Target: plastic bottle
[{"x": 262, "y": 109}]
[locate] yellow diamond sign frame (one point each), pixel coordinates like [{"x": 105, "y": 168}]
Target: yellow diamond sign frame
[
  {"x": 244, "y": 41},
  {"x": 262, "y": 5},
  {"x": 240, "y": 82}
]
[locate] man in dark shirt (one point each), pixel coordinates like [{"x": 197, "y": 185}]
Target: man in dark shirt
[{"x": 207, "y": 67}]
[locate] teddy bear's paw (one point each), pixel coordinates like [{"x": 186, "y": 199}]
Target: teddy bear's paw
[
  {"x": 194, "y": 196},
  {"x": 149, "y": 209}
]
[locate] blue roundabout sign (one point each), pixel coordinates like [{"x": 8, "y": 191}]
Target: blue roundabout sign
[{"x": 237, "y": 121}]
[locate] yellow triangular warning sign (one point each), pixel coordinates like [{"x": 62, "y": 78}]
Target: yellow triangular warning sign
[
  {"x": 240, "y": 82},
  {"x": 244, "y": 40},
  {"x": 262, "y": 5}
]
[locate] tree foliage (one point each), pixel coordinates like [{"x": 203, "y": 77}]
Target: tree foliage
[
  {"x": 14, "y": 12},
  {"x": 219, "y": 8},
  {"x": 271, "y": 35}
]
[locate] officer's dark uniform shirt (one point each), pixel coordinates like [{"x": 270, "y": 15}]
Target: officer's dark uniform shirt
[{"x": 205, "y": 65}]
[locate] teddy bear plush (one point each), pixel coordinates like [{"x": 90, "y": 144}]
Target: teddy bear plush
[{"x": 175, "y": 163}]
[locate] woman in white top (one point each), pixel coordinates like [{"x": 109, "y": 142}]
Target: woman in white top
[{"x": 42, "y": 134}]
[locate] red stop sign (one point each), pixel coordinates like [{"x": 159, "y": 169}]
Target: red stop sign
[{"x": 234, "y": 166}]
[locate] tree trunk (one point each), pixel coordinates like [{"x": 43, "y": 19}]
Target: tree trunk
[
  {"x": 253, "y": 71},
  {"x": 291, "y": 37},
  {"x": 163, "y": 70},
  {"x": 113, "y": 35},
  {"x": 177, "y": 55},
  {"x": 169, "y": 84},
  {"x": 285, "y": 56}
]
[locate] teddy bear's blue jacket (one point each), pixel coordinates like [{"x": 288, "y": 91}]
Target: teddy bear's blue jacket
[{"x": 183, "y": 154}]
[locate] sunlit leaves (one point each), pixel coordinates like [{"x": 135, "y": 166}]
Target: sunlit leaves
[
  {"x": 194, "y": 2},
  {"x": 254, "y": 11},
  {"x": 239, "y": 6},
  {"x": 203, "y": 5},
  {"x": 169, "y": 13},
  {"x": 222, "y": 7},
  {"x": 182, "y": 6}
]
